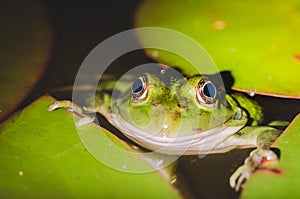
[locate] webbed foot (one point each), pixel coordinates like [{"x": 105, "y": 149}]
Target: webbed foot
[{"x": 252, "y": 163}]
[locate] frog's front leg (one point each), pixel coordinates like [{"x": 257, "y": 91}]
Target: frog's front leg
[
  {"x": 264, "y": 140},
  {"x": 70, "y": 106}
]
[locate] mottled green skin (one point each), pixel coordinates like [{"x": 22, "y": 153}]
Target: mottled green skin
[{"x": 175, "y": 107}]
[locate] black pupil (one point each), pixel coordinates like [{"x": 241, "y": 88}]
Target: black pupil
[
  {"x": 209, "y": 90},
  {"x": 137, "y": 86}
]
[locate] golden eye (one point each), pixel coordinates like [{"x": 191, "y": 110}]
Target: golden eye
[
  {"x": 139, "y": 89},
  {"x": 206, "y": 93}
]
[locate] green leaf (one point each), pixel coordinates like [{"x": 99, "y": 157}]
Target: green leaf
[
  {"x": 42, "y": 156},
  {"x": 283, "y": 184},
  {"x": 258, "y": 41},
  {"x": 24, "y": 50}
]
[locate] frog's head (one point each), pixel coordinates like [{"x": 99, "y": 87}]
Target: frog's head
[{"x": 179, "y": 110}]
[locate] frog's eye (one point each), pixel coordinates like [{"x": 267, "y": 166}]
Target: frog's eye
[
  {"x": 139, "y": 89},
  {"x": 206, "y": 93}
]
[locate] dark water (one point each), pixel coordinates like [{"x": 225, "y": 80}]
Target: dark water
[{"x": 79, "y": 26}]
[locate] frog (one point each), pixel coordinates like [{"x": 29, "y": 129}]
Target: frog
[{"x": 190, "y": 115}]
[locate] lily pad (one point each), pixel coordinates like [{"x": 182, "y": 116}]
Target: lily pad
[
  {"x": 42, "y": 156},
  {"x": 258, "y": 41},
  {"x": 24, "y": 50},
  {"x": 285, "y": 182}
]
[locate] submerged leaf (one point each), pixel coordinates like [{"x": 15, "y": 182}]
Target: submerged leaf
[{"x": 24, "y": 50}]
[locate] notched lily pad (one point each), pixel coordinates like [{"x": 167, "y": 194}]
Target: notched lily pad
[{"x": 24, "y": 51}]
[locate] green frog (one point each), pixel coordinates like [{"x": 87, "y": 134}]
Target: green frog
[{"x": 183, "y": 116}]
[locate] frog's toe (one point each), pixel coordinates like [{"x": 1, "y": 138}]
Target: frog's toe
[
  {"x": 85, "y": 120},
  {"x": 60, "y": 104},
  {"x": 53, "y": 106},
  {"x": 239, "y": 176}
]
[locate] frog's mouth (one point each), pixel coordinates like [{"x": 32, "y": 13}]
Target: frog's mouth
[{"x": 209, "y": 141}]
